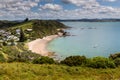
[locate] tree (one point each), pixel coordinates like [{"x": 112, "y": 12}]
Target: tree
[
  {"x": 4, "y": 43},
  {"x": 26, "y": 20},
  {"x": 22, "y": 35}
]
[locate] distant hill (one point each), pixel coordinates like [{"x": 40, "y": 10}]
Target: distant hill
[
  {"x": 4, "y": 24},
  {"x": 91, "y": 20}
]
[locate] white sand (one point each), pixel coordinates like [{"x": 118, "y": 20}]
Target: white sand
[{"x": 39, "y": 45}]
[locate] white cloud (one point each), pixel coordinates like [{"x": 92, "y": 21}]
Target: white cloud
[
  {"x": 19, "y": 9},
  {"x": 54, "y": 7},
  {"x": 21, "y": 4},
  {"x": 110, "y": 0},
  {"x": 81, "y": 2}
]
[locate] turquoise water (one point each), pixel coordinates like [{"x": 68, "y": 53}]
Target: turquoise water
[{"x": 89, "y": 38}]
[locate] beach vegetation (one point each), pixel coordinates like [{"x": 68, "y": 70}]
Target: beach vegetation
[
  {"x": 117, "y": 61},
  {"x": 114, "y": 56},
  {"x": 100, "y": 62},
  {"x": 43, "y": 60},
  {"x": 74, "y": 60}
]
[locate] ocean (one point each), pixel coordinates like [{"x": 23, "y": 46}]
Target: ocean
[{"x": 90, "y": 39}]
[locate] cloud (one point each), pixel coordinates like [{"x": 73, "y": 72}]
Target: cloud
[
  {"x": 13, "y": 9},
  {"x": 110, "y": 0},
  {"x": 81, "y": 2},
  {"x": 15, "y": 4},
  {"x": 54, "y": 7},
  {"x": 20, "y": 9}
]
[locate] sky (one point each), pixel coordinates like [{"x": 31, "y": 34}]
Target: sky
[{"x": 58, "y": 9}]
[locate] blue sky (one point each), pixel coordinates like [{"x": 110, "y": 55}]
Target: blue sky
[{"x": 59, "y": 9}]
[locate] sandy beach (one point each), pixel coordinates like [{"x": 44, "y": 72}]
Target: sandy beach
[{"x": 39, "y": 45}]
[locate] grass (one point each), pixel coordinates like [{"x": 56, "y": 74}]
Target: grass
[
  {"x": 24, "y": 25},
  {"x": 27, "y": 71}
]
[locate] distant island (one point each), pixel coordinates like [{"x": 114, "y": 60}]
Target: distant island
[{"x": 90, "y": 20}]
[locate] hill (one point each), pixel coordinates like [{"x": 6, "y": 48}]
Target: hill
[
  {"x": 15, "y": 34},
  {"x": 90, "y": 20},
  {"x": 26, "y": 71}
]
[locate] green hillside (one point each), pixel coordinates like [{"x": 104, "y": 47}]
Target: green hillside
[
  {"x": 14, "y": 35},
  {"x": 26, "y": 71},
  {"x": 39, "y": 28}
]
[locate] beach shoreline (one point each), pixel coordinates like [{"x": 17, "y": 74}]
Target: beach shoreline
[{"x": 39, "y": 46}]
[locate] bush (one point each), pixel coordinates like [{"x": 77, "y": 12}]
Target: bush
[
  {"x": 74, "y": 60},
  {"x": 114, "y": 56},
  {"x": 117, "y": 61},
  {"x": 100, "y": 62},
  {"x": 43, "y": 60},
  {"x": 2, "y": 58},
  {"x": 26, "y": 56}
]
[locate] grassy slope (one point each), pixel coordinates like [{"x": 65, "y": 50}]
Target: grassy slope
[{"x": 25, "y": 71}]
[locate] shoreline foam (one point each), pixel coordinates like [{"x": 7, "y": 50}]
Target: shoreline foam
[{"x": 39, "y": 46}]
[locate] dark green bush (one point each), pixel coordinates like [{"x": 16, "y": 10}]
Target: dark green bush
[
  {"x": 26, "y": 56},
  {"x": 114, "y": 56},
  {"x": 43, "y": 60},
  {"x": 74, "y": 60},
  {"x": 100, "y": 62},
  {"x": 117, "y": 61}
]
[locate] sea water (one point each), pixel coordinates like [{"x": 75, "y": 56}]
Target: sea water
[{"x": 89, "y": 39}]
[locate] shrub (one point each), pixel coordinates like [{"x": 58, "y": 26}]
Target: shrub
[
  {"x": 22, "y": 37},
  {"x": 43, "y": 60},
  {"x": 26, "y": 56},
  {"x": 117, "y": 61},
  {"x": 100, "y": 62},
  {"x": 2, "y": 58},
  {"x": 114, "y": 56},
  {"x": 74, "y": 60}
]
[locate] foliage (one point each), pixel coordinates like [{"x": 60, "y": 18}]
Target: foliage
[
  {"x": 22, "y": 36},
  {"x": 74, "y": 60},
  {"x": 6, "y": 24},
  {"x": 40, "y": 28},
  {"x": 100, "y": 62},
  {"x": 25, "y": 56},
  {"x": 114, "y": 56},
  {"x": 19, "y": 53},
  {"x": 43, "y": 60},
  {"x": 4, "y": 43},
  {"x": 2, "y": 58},
  {"x": 26, "y": 71},
  {"x": 43, "y": 28},
  {"x": 26, "y": 20},
  {"x": 117, "y": 61}
]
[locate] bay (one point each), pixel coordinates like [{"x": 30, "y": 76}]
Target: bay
[{"x": 90, "y": 39}]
